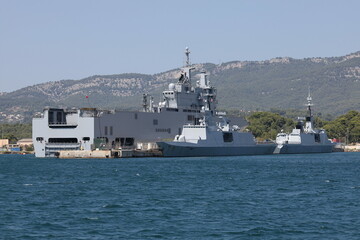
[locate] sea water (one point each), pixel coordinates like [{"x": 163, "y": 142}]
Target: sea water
[{"x": 310, "y": 196}]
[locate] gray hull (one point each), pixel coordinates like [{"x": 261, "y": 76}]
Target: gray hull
[
  {"x": 300, "y": 148},
  {"x": 172, "y": 150}
]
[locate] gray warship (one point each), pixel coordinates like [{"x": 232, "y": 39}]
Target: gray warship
[
  {"x": 304, "y": 138},
  {"x": 210, "y": 138},
  {"x": 60, "y": 129}
]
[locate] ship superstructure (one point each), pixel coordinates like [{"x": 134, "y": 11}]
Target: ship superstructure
[{"x": 60, "y": 129}]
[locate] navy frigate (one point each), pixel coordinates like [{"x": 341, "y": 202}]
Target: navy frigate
[
  {"x": 213, "y": 138},
  {"x": 304, "y": 138}
]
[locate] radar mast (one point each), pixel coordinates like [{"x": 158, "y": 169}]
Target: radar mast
[
  {"x": 309, "y": 124},
  {"x": 187, "y": 53},
  {"x": 185, "y": 78},
  {"x": 309, "y": 104}
]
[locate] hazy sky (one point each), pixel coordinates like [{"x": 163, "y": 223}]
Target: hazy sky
[{"x": 50, "y": 40}]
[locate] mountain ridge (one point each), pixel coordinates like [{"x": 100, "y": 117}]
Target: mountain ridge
[{"x": 280, "y": 82}]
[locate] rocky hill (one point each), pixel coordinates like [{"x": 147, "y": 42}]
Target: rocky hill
[{"x": 280, "y": 83}]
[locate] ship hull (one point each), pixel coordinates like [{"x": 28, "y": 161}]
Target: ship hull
[
  {"x": 301, "y": 148},
  {"x": 169, "y": 149}
]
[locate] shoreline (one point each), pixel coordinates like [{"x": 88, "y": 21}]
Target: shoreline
[{"x": 17, "y": 152}]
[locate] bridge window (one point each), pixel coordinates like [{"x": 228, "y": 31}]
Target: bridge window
[{"x": 228, "y": 137}]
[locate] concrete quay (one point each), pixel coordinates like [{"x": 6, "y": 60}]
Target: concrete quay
[{"x": 121, "y": 153}]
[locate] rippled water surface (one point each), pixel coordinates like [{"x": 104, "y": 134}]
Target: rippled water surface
[{"x": 313, "y": 196}]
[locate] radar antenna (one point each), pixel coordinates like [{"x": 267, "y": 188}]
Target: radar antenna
[
  {"x": 187, "y": 53},
  {"x": 309, "y": 104}
]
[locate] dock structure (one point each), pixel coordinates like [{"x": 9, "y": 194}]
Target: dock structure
[{"x": 118, "y": 153}]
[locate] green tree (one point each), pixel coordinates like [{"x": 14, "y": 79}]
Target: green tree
[
  {"x": 12, "y": 138},
  {"x": 266, "y": 125},
  {"x": 346, "y": 127},
  {"x": 15, "y": 131}
]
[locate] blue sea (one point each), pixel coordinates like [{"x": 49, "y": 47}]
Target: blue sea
[{"x": 310, "y": 196}]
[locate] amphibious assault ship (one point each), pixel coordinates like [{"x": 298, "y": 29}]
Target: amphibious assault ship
[
  {"x": 60, "y": 129},
  {"x": 304, "y": 138}
]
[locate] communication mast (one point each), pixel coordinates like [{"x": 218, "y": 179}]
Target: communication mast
[{"x": 187, "y": 53}]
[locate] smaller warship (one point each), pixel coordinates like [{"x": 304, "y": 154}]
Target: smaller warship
[
  {"x": 304, "y": 138},
  {"x": 211, "y": 138}
]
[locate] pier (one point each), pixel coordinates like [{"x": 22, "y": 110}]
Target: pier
[{"x": 118, "y": 153}]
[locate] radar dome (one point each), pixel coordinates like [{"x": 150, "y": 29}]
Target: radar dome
[{"x": 171, "y": 86}]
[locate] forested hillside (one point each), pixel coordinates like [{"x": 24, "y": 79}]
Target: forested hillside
[{"x": 280, "y": 83}]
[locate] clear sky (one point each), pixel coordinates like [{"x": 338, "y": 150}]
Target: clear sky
[{"x": 50, "y": 40}]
